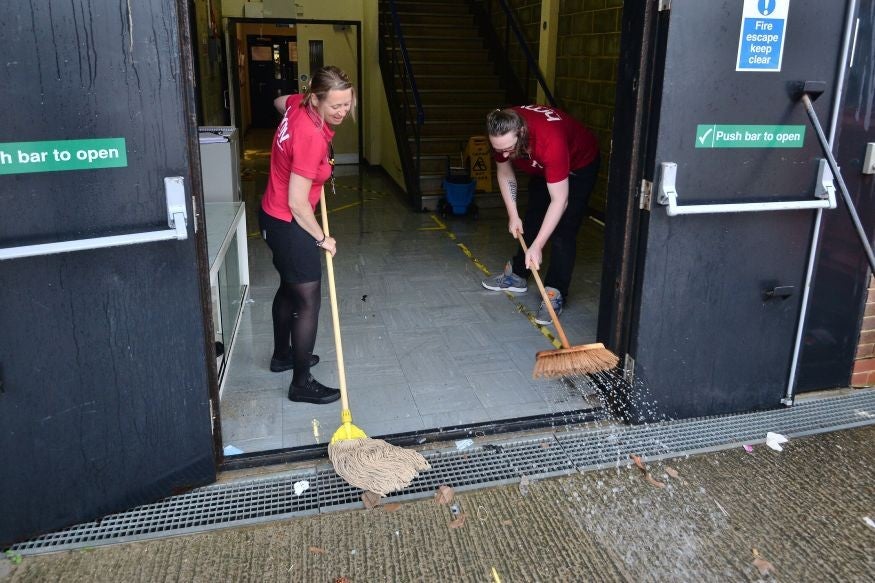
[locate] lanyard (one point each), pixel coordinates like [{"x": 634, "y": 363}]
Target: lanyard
[{"x": 331, "y": 163}]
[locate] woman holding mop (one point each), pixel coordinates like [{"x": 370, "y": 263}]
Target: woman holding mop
[{"x": 300, "y": 165}]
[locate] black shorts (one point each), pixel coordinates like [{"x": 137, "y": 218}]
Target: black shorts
[{"x": 295, "y": 254}]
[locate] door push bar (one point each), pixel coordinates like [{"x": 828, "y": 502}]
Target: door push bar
[
  {"x": 174, "y": 192},
  {"x": 668, "y": 196}
]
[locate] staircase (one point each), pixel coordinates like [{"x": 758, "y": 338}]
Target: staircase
[{"x": 456, "y": 81}]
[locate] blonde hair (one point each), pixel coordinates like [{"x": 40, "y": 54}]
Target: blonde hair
[{"x": 325, "y": 80}]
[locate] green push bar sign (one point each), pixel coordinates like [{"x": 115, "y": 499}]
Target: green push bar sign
[
  {"x": 749, "y": 136},
  {"x": 55, "y": 155}
]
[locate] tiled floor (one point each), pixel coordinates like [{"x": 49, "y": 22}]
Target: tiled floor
[{"x": 425, "y": 346}]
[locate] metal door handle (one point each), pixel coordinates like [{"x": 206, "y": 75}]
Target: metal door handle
[
  {"x": 668, "y": 196},
  {"x": 177, "y": 220}
]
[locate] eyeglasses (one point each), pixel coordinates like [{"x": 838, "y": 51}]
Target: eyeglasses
[{"x": 506, "y": 150}]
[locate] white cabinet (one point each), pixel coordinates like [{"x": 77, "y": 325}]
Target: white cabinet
[{"x": 220, "y": 163}]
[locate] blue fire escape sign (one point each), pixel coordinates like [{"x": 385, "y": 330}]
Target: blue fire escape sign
[{"x": 761, "y": 41}]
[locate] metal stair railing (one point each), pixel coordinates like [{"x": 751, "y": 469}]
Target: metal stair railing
[
  {"x": 406, "y": 109},
  {"x": 486, "y": 12}
]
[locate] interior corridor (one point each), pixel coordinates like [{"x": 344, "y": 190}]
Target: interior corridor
[{"x": 425, "y": 346}]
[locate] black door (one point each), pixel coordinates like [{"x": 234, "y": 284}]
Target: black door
[
  {"x": 717, "y": 296},
  {"x": 272, "y": 73},
  {"x": 841, "y": 282},
  {"x": 105, "y": 398}
]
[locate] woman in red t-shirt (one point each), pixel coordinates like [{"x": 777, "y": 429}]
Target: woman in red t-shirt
[
  {"x": 299, "y": 167},
  {"x": 561, "y": 157}
]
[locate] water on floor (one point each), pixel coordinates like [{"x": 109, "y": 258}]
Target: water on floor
[{"x": 425, "y": 346}]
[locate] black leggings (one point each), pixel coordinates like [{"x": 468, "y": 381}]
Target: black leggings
[
  {"x": 295, "y": 322},
  {"x": 563, "y": 241},
  {"x": 297, "y": 301}
]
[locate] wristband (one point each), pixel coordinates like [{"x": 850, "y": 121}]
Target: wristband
[{"x": 321, "y": 241}]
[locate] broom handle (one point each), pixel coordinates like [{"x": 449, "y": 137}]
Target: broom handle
[
  {"x": 335, "y": 317},
  {"x": 547, "y": 302}
]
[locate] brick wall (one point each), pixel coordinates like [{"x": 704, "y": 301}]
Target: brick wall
[
  {"x": 864, "y": 365},
  {"x": 527, "y": 14},
  {"x": 587, "y": 58}
]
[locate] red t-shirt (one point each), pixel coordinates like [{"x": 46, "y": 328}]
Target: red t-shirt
[
  {"x": 300, "y": 145},
  {"x": 558, "y": 143}
]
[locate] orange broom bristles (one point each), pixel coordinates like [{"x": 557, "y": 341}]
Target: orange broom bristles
[{"x": 576, "y": 360}]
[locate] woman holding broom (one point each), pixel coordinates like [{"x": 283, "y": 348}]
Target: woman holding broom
[
  {"x": 300, "y": 165},
  {"x": 562, "y": 157}
]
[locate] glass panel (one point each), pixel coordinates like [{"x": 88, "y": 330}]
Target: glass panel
[
  {"x": 261, "y": 53},
  {"x": 230, "y": 290},
  {"x": 217, "y": 326},
  {"x": 227, "y": 290}
]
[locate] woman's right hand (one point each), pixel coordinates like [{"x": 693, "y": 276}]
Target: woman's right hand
[
  {"x": 330, "y": 245},
  {"x": 515, "y": 227}
]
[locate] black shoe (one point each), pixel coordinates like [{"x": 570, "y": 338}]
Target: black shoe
[
  {"x": 279, "y": 365},
  {"x": 313, "y": 392}
]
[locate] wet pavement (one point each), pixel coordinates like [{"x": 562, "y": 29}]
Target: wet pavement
[{"x": 806, "y": 513}]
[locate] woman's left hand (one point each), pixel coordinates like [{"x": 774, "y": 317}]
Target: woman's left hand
[{"x": 533, "y": 257}]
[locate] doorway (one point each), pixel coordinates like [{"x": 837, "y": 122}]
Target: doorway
[
  {"x": 272, "y": 57},
  {"x": 428, "y": 349},
  {"x": 273, "y": 71}
]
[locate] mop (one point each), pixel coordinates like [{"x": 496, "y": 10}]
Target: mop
[
  {"x": 370, "y": 464},
  {"x": 569, "y": 360}
]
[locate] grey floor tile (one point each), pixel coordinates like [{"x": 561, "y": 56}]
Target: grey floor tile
[
  {"x": 453, "y": 396},
  {"x": 363, "y": 344},
  {"x": 245, "y": 418},
  {"x": 456, "y": 418},
  {"x": 515, "y": 411},
  {"x": 307, "y": 419},
  {"x": 255, "y": 444},
  {"x": 307, "y": 438},
  {"x": 430, "y": 367},
  {"x": 504, "y": 388}
]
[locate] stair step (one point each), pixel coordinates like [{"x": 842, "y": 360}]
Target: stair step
[
  {"x": 436, "y": 165},
  {"x": 470, "y": 119},
  {"x": 414, "y": 18},
  {"x": 438, "y": 112},
  {"x": 448, "y": 67},
  {"x": 459, "y": 91},
  {"x": 447, "y": 128},
  {"x": 473, "y": 101},
  {"x": 446, "y": 146},
  {"x": 475, "y": 58},
  {"x": 442, "y": 30},
  {"x": 404, "y": 8},
  {"x": 467, "y": 81},
  {"x": 465, "y": 43}
]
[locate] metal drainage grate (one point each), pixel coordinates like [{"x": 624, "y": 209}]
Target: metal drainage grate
[{"x": 264, "y": 499}]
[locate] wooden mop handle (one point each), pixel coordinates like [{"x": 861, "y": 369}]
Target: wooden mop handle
[
  {"x": 547, "y": 302},
  {"x": 335, "y": 317}
]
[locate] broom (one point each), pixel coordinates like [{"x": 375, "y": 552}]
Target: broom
[
  {"x": 568, "y": 360},
  {"x": 370, "y": 464}
]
